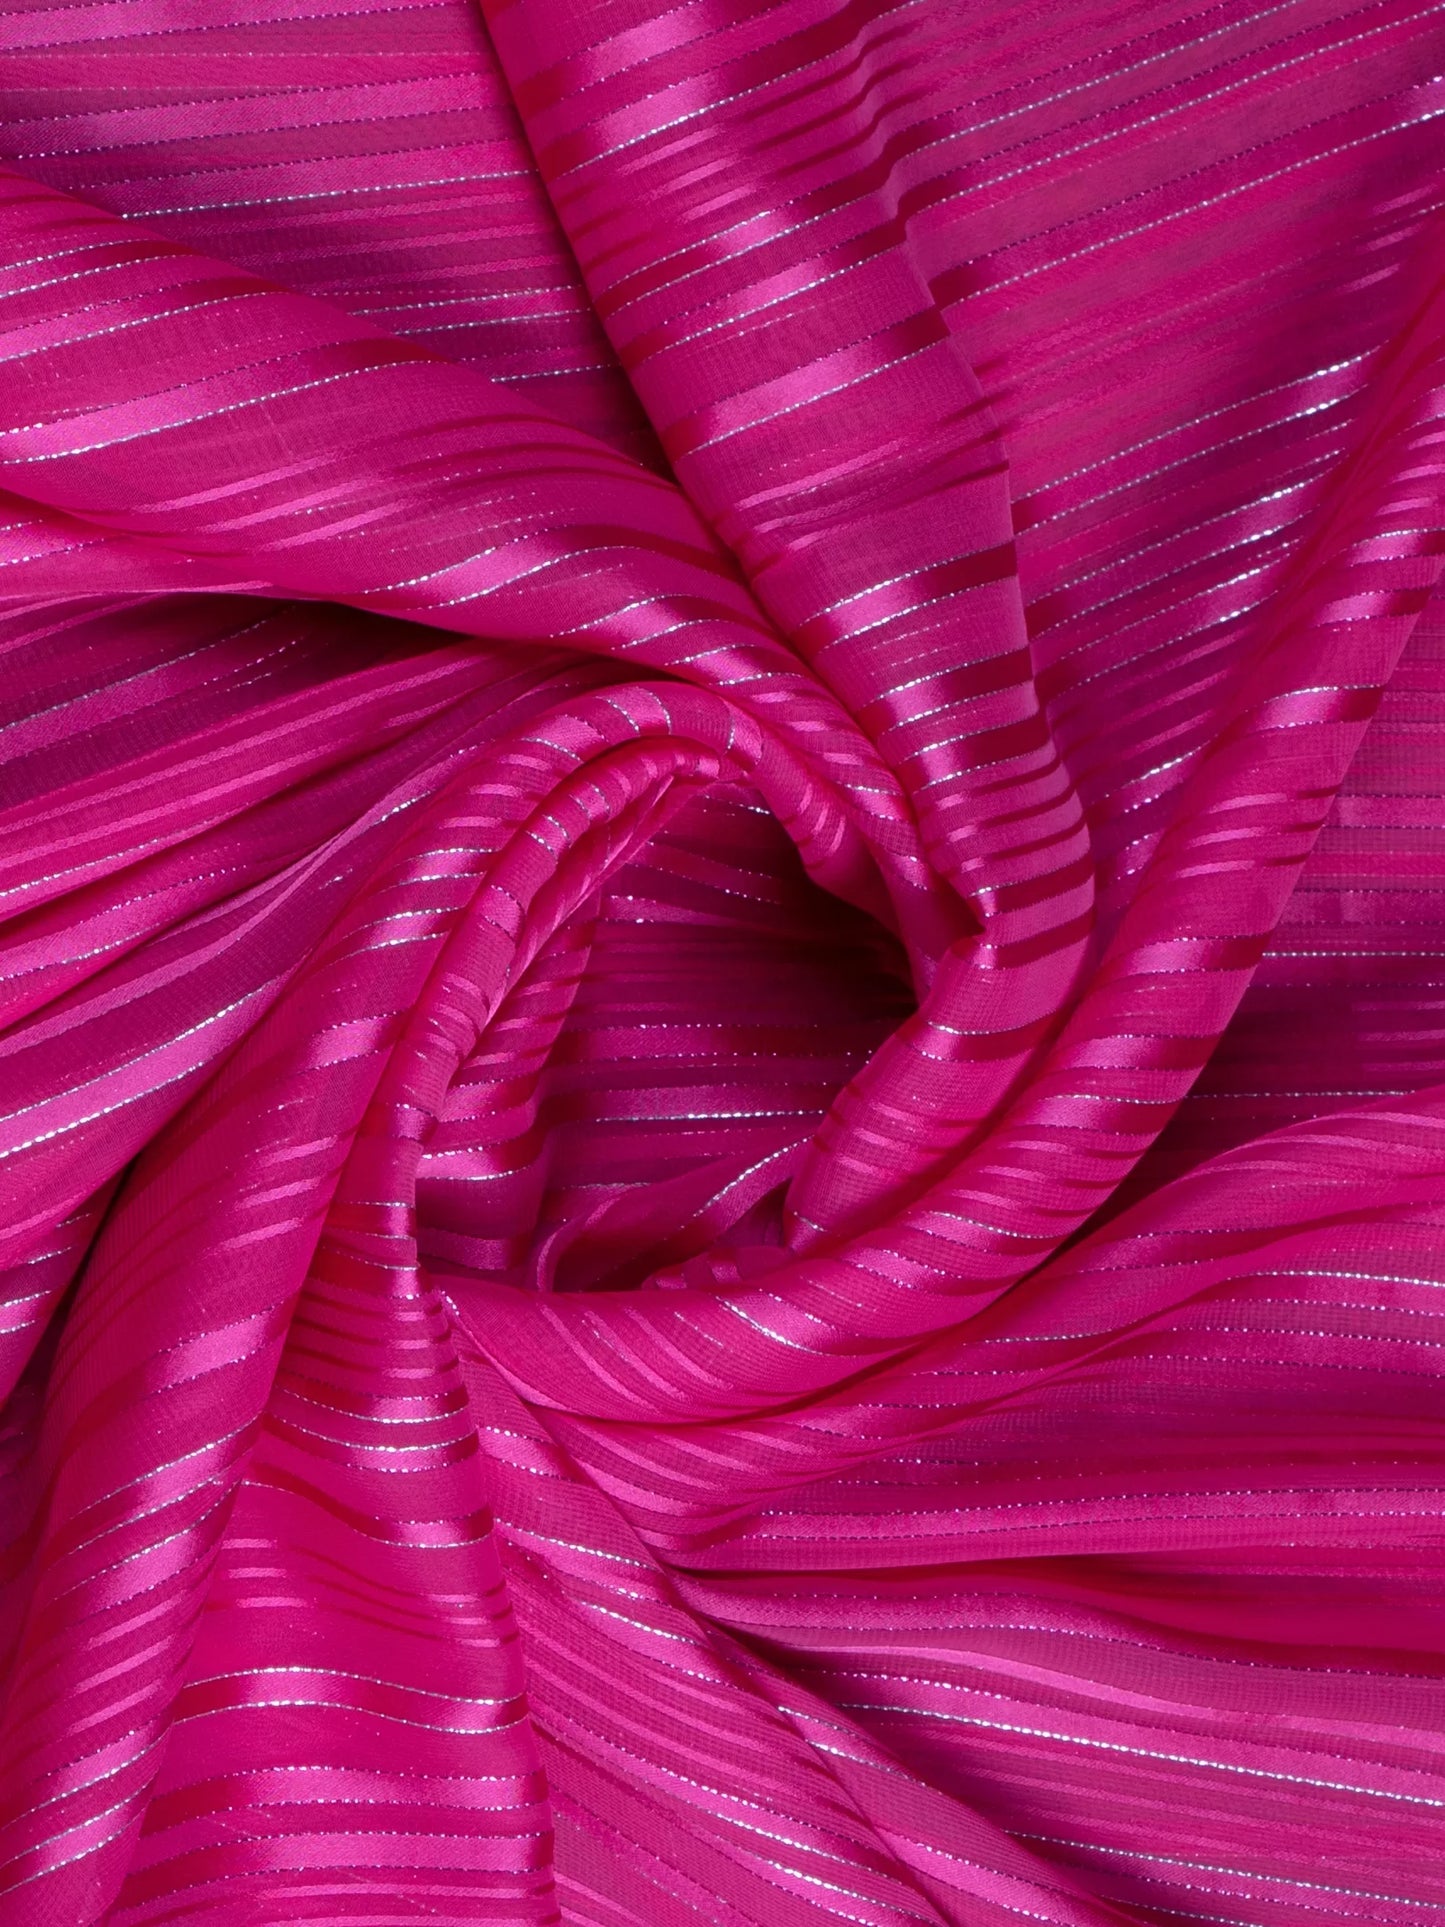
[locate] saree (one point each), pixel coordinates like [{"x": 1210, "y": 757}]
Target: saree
[{"x": 722, "y": 854}]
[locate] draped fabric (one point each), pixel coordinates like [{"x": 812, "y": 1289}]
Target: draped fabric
[{"x": 723, "y": 867}]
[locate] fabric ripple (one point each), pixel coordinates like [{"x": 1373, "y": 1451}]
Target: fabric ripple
[{"x": 722, "y": 870}]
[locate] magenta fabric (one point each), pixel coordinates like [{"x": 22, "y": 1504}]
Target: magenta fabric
[{"x": 723, "y": 866}]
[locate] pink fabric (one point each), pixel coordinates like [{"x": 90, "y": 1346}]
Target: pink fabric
[{"x": 723, "y": 848}]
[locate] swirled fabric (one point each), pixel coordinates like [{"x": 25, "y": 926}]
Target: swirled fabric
[{"x": 723, "y": 867}]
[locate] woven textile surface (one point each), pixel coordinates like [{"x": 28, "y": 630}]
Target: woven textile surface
[{"x": 722, "y": 858}]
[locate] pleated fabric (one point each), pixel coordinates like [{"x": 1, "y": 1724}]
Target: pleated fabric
[{"x": 722, "y": 847}]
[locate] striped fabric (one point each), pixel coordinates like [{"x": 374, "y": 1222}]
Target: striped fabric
[{"x": 722, "y": 857}]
